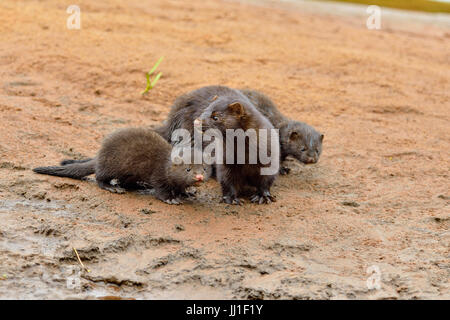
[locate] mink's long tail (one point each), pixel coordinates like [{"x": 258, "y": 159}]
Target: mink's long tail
[{"x": 74, "y": 170}]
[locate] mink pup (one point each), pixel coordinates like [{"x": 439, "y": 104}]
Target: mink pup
[
  {"x": 297, "y": 139},
  {"x": 232, "y": 110},
  {"x": 135, "y": 157}
]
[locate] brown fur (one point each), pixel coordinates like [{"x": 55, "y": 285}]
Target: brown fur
[
  {"x": 297, "y": 139},
  {"x": 134, "y": 157},
  {"x": 189, "y": 107},
  {"x": 234, "y": 111}
]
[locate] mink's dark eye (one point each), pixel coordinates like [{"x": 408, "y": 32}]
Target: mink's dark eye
[
  {"x": 188, "y": 169},
  {"x": 204, "y": 169},
  {"x": 303, "y": 149},
  {"x": 215, "y": 118}
]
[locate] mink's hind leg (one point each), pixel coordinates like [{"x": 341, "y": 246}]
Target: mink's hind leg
[
  {"x": 228, "y": 182},
  {"x": 111, "y": 188},
  {"x": 284, "y": 170}
]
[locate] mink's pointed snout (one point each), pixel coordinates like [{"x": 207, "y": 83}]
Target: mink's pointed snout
[{"x": 199, "y": 177}]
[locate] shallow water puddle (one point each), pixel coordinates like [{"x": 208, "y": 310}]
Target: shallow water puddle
[{"x": 58, "y": 208}]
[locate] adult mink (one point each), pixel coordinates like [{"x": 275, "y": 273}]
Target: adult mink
[
  {"x": 250, "y": 136},
  {"x": 135, "y": 157},
  {"x": 297, "y": 139}
]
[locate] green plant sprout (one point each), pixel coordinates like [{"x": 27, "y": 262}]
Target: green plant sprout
[{"x": 151, "y": 84}]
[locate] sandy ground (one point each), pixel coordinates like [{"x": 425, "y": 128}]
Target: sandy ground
[{"x": 379, "y": 196}]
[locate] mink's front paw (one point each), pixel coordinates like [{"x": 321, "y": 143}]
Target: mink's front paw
[
  {"x": 284, "y": 170},
  {"x": 189, "y": 194},
  {"x": 117, "y": 190},
  {"x": 265, "y": 197},
  {"x": 174, "y": 201},
  {"x": 232, "y": 200}
]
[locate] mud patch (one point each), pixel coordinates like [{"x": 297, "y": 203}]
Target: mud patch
[{"x": 380, "y": 98}]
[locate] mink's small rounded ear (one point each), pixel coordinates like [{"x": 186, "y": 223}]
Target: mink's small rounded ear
[
  {"x": 321, "y": 137},
  {"x": 294, "y": 135},
  {"x": 236, "y": 108},
  {"x": 207, "y": 159},
  {"x": 177, "y": 160}
]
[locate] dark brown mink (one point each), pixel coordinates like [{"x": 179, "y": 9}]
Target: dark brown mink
[
  {"x": 188, "y": 107},
  {"x": 232, "y": 110},
  {"x": 297, "y": 139},
  {"x": 135, "y": 158}
]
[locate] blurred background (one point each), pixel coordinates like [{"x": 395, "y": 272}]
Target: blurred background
[{"x": 420, "y": 5}]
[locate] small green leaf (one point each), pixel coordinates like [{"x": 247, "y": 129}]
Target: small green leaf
[
  {"x": 155, "y": 80},
  {"x": 148, "y": 84},
  {"x": 151, "y": 84},
  {"x": 156, "y": 65}
]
